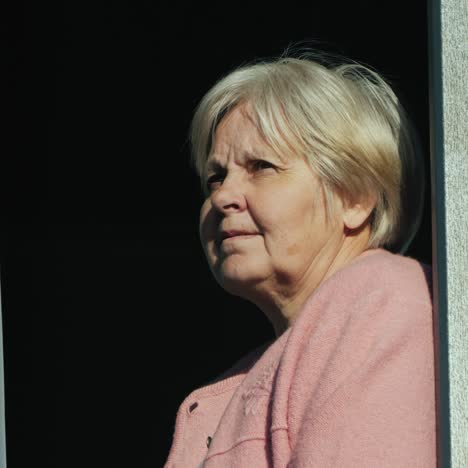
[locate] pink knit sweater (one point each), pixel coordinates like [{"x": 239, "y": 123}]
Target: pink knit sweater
[{"x": 349, "y": 384}]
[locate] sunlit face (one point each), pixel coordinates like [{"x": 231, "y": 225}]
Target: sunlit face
[{"x": 280, "y": 204}]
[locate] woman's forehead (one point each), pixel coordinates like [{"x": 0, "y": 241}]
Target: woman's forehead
[{"x": 238, "y": 134}]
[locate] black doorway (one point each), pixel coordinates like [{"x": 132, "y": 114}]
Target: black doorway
[{"x": 110, "y": 315}]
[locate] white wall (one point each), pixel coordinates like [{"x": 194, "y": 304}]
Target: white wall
[{"x": 449, "y": 167}]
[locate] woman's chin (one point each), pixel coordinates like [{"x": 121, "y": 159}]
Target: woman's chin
[{"x": 238, "y": 283}]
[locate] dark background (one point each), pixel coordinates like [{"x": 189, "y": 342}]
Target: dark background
[{"x": 110, "y": 315}]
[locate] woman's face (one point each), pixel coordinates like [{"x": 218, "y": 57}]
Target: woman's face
[{"x": 280, "y": 205}]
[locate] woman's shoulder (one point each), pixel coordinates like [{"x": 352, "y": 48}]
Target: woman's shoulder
[
  {"x": 379, "y": 303},
  {"x": 379, "y": 269}
]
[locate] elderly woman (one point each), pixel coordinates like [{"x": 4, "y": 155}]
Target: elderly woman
[{"x": 307, "y": 172}]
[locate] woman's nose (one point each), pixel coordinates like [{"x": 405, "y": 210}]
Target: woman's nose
[{"x": 229, "y": 196}]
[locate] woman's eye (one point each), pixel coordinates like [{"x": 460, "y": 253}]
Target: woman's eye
[
  {"x": 212, "y": 179},
  {"x": 261, "y": 164},
  {"x": 258, "y": 164}
]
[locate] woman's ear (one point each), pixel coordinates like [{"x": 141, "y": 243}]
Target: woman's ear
[{"x": 355, "y": 214}]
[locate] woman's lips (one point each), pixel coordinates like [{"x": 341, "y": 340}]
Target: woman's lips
[{"x": 238, "y": 237}]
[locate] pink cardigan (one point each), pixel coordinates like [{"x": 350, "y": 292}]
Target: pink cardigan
[{"x": 350, "y": 384}]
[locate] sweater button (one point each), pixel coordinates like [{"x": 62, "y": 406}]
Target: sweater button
[
  {"x": 208, "y": 441},
  {"x": 192, "y": 407}
]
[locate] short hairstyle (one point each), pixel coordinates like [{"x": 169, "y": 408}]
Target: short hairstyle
[{"x": 343, "y": 118}]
